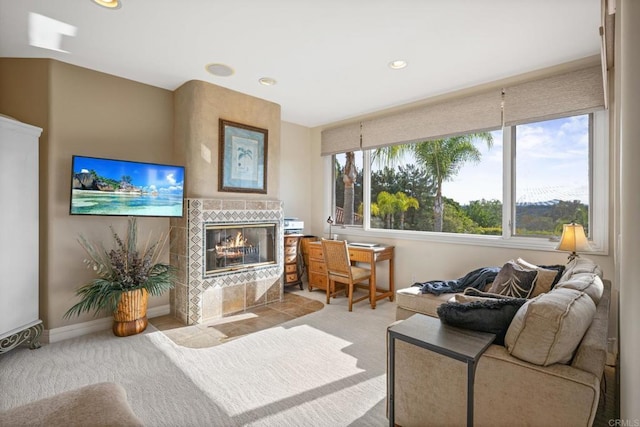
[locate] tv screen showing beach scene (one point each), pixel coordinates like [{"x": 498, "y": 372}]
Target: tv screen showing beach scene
[{"x": 121, "y": 187}]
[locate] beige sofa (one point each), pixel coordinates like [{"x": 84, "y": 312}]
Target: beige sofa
[{"x": 539, "y": 378}]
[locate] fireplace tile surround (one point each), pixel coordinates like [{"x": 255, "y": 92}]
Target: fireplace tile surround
[{"x": 198, "y": 297}]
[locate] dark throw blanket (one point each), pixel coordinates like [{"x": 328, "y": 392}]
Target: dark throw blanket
[{"x": 478, "y": 279}]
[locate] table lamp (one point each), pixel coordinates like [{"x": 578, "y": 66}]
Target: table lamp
[
  {"x": 573, "y": 240},
  {"x": 330, "y": 222}
]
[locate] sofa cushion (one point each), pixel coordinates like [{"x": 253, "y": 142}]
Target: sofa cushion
[
  {"x": 514, "y": 281},
  {"x": 462, "y": 298},
  {"x": 548, "y": 328},
  {"x": 548, "y": 276},
  {"x": 580, "y": 265},
  {"x": 490, "y": 315},
  {"x": 413, "y": 299},
  {"x": 590, "y": 283},
  {"x": 475, "y": 293}
]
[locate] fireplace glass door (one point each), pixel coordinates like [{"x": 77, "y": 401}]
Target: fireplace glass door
[{"x": 237, "y": 246}]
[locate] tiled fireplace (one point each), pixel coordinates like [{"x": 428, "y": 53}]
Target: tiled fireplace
[
  {"x": 232, "y": 247},
  {"x": 229, "y": 256}
]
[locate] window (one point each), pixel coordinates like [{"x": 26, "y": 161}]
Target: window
[
  {"x": 451, "y": 185},
  {"x": 552, "y": 188},
  {"x": 347, "y": 175},
  {"x": 516, "y": 184}
]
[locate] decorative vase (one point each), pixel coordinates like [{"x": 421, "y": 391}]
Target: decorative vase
[{"x": 130, "y": 317}]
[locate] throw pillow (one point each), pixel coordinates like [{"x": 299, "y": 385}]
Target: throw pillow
[
  {"x": 546, "y": 279},
  {"x": 514, "y": 281},
  {"x": 493, "y": 315},
  {"x": 548, "y": 329},
  {"x": 557, "y": 267}
]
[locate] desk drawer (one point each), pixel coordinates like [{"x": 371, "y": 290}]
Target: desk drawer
[
  {"x": 317, "y": 266},
  {"x": 315, "y": 251},
  {"x": 317, "y": 280},
  {"x": 360, "y": 256}
]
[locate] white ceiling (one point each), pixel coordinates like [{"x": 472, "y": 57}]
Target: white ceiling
[{"x": 329, "y": 57}]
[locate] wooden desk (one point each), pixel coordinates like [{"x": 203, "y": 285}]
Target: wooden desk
[{"x": 369, "y": 255}]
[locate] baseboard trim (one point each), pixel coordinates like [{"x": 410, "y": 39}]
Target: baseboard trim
[{"x": 50, "y": 336}]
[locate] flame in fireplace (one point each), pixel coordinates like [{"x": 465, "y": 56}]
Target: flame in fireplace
[{"x": 239, "y": 241}]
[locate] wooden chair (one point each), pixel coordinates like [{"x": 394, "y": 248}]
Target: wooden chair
[{"x": 340, "y": 270}]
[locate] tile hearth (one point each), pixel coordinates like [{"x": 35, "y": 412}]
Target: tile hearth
[{"x": 219, "y": 331}]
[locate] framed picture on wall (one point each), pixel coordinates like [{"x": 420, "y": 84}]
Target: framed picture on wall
[{"x": 242, "y": 158}]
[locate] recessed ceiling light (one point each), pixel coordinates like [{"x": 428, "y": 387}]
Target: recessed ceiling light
[
  {"x": 267, "y": 81},
  {"x": 220, "y": 70},
  {"x": 398, "y": 64},
  {"x": 109, "y": 4}
]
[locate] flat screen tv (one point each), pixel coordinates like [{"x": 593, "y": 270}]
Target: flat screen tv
[{"x": 121, "y": 187}]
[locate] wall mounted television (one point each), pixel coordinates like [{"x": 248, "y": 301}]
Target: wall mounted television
[{"x": 121, "y": 187}]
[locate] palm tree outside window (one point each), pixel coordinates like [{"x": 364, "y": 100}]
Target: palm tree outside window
[{"x": 458, "y": 184}]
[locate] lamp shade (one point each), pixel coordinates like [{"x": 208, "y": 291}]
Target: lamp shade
[{"x": 573, "y": 239}]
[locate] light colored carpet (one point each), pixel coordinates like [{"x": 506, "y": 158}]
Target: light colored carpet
[{"x": 327, "y": 368}]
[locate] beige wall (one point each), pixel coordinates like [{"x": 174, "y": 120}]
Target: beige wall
[
  {"x": 100, "y": 115},
  {"x": 198, "y": 108},
  {"x": 87, "y": 113},
  {"x": 295, "y": 176},
  {"x": 24, "y": 87}
]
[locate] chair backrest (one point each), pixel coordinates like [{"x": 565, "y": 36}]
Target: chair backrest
[
  {"x": 336, "y": 257},
  {"x": 339, "y": 215}
]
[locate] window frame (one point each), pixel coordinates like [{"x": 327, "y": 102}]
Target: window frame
[{"x": 598, "y": 206}]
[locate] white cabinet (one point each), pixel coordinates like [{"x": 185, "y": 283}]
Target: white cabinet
[{"x": 19, "y": 318}]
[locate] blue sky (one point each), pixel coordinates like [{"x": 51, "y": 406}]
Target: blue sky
[
  {"x": 145, "y": 175},
  {"x": 552, "y": 163}
]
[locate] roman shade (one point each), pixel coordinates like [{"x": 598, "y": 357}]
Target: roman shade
[
  {"x": 569, "y": 93},
  {"x": 477, "y": 113},
  {"x": 340, "y": 139},
  {"x": 572, "y": 93}
]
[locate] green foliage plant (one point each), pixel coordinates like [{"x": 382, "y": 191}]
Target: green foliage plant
[{"x": 121, "y": 269}]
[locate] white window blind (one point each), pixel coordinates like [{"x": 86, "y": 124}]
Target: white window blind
[
  {"x": 568, "y": 94},
  {"x": 477, "y": 113},
  {"x": 340, "y": 139}
]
